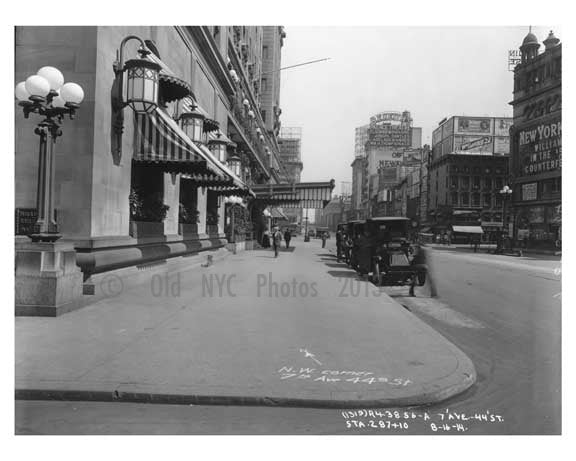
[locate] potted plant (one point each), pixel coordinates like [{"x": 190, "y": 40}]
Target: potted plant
[
  {"x": 212, "y": 218},
  {"x": 147, "y": 214},
  {"x": 188, "y": 220}
]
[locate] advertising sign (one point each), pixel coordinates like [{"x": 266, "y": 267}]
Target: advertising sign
[
  {"x": 387, "y": 117},
  {"x": 474, "y": 125},
  {"x": 540, "y": 148},
  {"x": 386, "y": 135},
  {"x": 477, "y": 145},
  {"x": 530, "y": 191},
  {"x": 514, "y": 58},
  {"x": 502, "y": 145},
  {"x": 502, "y": 126}
]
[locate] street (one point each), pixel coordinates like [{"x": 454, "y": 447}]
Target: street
[{"x": 502, "y": 312}]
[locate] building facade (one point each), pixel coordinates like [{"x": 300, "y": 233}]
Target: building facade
[
  {"x": 132, "y": 189},
  {"x": 384, "y": 140},
  {"x": 536, "y": 154}
]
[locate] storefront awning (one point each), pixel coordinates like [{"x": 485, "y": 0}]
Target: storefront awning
[
  {"x": 173, "y": 88},
  {"x": 468, "y": 229},
  {"x": 156, "y": 141},
  {"x": 300, "y": 195}
]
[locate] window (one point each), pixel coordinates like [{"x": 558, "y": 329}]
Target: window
[
  {"x": 465, "y": 199},
  {"x": 454, "y": 181},
  {"x": 476, "y": 199},
  {"x": 465, "y": 182},
  {"x": 263, "y": 112},
  {"x": 265, "y": 52},
  {"x": 498, "y": 200},
  {"x": 499, "y": 183},
  {"x": 487, "y": 183},
  {"x": 454, "y": 198},
  {"x": 264, "y": 84},
  {"x": 488, "y": 200},
  {"x": 476, "y": 182}
]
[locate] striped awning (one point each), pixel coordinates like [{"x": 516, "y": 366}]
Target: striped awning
[
  {"x": 299, "y": 195},
  {"x": 159, "y": 140}
]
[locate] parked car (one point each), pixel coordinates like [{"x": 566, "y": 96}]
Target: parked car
[
  {"x": 384, "y": 251},
  {"x": 322, "y": 230}
]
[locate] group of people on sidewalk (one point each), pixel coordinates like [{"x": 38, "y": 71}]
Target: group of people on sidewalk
[{"x": 275, "y": 238}]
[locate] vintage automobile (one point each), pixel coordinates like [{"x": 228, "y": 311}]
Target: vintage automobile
[
  {"x": 384, "y": 251},
  {"x": 322, "y": 230},
  {"x": 354, "y": 230}
]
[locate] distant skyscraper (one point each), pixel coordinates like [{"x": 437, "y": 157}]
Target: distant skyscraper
[{"x": 290, "y": 143}]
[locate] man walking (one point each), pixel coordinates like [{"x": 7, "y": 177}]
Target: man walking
[
  {"x": 324, "y": 237},
  {"x": 287, "y": 237},
  {"x": 276, "y": 241}
]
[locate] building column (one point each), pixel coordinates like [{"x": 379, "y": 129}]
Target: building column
[
  {"x": 172, "y": 199},
  {"x": 202, "y": 212},
  {"x": 221, "y": 214}
]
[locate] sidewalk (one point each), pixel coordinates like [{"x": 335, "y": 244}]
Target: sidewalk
[{"x": 299, "y": 330}]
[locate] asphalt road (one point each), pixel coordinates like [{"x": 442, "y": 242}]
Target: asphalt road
[{"x": 504, "y": 312}]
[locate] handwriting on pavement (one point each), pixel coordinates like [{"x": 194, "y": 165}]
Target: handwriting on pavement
[{"x": 339, "y": 376}]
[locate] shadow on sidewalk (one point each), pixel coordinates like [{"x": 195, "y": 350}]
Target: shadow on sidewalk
[{"x": 344, "y": 274}]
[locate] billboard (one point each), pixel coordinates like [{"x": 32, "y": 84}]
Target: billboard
[
  {"x": 477, "y": 145},
  {"x": 389, "y": 117},
  {"x": 502, "y": 126},
  {"x": 473, "y": 125},
  {"x": 540, "y": 148},
  {"x": 387, "y": 135},
  {"x": 502, "y": 145}
]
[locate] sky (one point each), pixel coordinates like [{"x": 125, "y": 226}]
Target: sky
[{"x": 433, "y": 72}]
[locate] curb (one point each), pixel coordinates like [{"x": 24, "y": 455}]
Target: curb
[{"x": 428, "y": 398}]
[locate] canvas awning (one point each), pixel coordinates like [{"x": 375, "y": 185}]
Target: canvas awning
[
  {"x": 157, "y": 140},
  {"x": 468, "y": 229},
  {"x": 298, "y": 195}
]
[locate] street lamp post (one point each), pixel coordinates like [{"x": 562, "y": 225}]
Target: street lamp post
[
  {"x": 48, "y": 280},
  {"x": 505, "y": 193},
  {"x": 47, "y": 95}
]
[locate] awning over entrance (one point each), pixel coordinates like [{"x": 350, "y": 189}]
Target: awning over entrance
[
  {"x": 157, "y": 141},
  {"x": 300, "y": 195},
  {"x": 468, "y": 229}
]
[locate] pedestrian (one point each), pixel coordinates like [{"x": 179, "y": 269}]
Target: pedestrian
[
  {"x": 276, "y": 241},
  {"x": 324, "y": 237},
  {"x": 287, "y": 237},
  {"x": 338, "y": 245},
  {"x": 266, "y": 240}
]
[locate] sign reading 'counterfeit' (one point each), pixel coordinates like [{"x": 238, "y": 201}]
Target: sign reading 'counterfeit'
[{"x": 540, "y": 148}]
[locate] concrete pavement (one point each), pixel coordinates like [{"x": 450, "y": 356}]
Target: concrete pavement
[{"x": 298, "y": 330}]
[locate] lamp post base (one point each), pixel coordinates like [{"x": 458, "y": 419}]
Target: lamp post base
[
  {"x": 48, "y": 282},
  {"x": 45, "y": 237}
]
